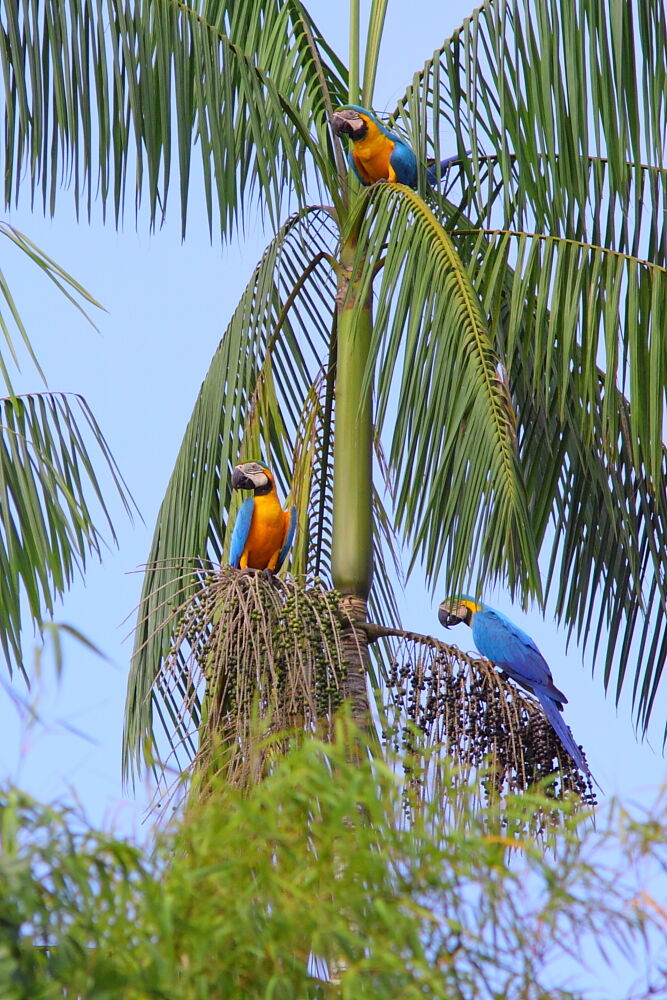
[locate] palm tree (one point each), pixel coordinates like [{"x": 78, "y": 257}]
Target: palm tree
[{"x": 493, "y": 349}]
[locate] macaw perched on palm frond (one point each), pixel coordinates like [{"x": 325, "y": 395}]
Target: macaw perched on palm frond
[
  {"x": 511, "y": 649},
  {"x": 263, "y": 531},
  {"x": 378, "y": 154}
]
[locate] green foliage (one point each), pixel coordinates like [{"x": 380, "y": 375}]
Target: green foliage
[
  {"x": 52, "y": 452},
  {"x": 254, "y": 896}
]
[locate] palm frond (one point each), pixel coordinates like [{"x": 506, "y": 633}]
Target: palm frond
[
  {"x": 250, "y": 402},
  {"x": 590, "y": 307},
  {"x": 63, "y": 281},
  {"x": 600, "y": 520},
  {"x": 635, "y": 224},
  {"x": 563, "y": 109},
  {"x": 81, "y": 76},
  {"x": 551, "y": 91},
  {"x": 604, "y": 530},
  {"x": 47, "y": 528},
  {"x": 459, "y": 493}
]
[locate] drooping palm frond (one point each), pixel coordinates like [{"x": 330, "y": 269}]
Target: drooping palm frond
[
  {"x": 80, "y": 77},
  {"x": 56, "y": 475},
  {"x": 250, "y": 402},
  {"x": 49, "y": 490},
  {"x": 604, "y": 528},
  {"x": 590, "y": 307},
  {"x": 563, "y": 198},
  {"x": 630, "y": 222},
  {"x": 288, "y": 46},
  {"x": 459, "y": 493},
  {"x": 581, "y": 443},
  {"x": 560, "y": 95},
  {"x": 607, "y": 561}
]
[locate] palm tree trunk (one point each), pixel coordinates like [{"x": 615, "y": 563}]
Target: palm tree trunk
[{"x": 352, "y": 556}]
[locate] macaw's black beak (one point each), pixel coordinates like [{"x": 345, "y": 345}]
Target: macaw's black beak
[
  {"x": 446, "y": 618},
  {"x": 348, "y": 122},
  {"x": 340, "y": 124},
  {"x": 240, "y": 481}
]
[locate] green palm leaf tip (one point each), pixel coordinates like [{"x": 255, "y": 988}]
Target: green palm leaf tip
[{"x": 50, "y": 502}]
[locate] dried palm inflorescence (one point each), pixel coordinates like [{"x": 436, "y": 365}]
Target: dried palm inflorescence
[
  {"x": 442, "y": 698},
  {"x": 252, "y": 658}
]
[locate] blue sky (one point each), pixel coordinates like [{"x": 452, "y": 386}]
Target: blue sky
[{"x": 167, "y": 304}]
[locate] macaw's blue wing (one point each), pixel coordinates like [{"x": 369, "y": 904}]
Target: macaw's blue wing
[
  {"x": 288, "y": 538},
  {"x": 241, "y": 531},
  {"x": 505, "y": 644},
  {"x": 404, "y": 163}
]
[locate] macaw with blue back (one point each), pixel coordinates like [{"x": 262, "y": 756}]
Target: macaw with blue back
[
  {"x": 378, "y": 154},
  {"x": 510, "y": 648},
  {"x": 263, "y": 531}
]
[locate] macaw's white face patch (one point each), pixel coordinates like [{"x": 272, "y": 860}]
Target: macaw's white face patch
[
  {"x": 350, "y": 123},
  {"x": 251, "y": 476}
]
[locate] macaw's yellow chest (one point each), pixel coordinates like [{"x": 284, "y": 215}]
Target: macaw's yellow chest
[
  {"x": 371, "y": 157},
  {"x": 266, "y": 537}
]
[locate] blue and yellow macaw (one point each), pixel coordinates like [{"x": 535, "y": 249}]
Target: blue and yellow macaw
[
  {"x": 263, "y": 531},
  {"x": 378, "y": 154},
  {"x": 511, "y": 649}
]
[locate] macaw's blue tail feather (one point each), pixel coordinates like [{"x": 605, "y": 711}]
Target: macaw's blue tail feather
[
  {"x": 444, "y": 164},
  {"x": 562, "y": 731}
]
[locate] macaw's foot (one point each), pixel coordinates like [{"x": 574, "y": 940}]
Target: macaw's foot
[{"x": 268, "y": 575}]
